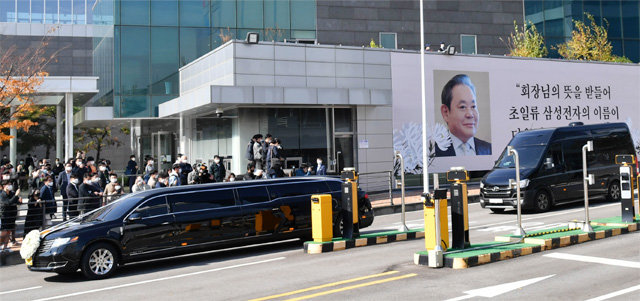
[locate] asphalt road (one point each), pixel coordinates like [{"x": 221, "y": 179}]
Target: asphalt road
[{"x": 385, "y": 272}]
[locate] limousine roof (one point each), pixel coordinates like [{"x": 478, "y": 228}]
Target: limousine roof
[{"x": 156, "y": 191}]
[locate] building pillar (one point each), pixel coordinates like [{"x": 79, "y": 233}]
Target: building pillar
[
  {"x": 59, "y": 134},
  {"x": 181, "y": 136},
  {"x": 68, "y": 126},
  {"x": 185, "y": 134},
  {"x": 13, "y": 142}
]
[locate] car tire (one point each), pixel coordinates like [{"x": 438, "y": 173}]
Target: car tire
[
  {"x": 99, "y": 261},
  {"x": 542, "y": 201},
  {"x": 497, "y": 210},
  {"x": 613, "y": 191}
]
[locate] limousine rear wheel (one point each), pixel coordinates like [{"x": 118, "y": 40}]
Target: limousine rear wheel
[
  {"x": 542, "y": 201},
  {"x": 99, "y": 261},
  {"x": 613, "y": 193}
]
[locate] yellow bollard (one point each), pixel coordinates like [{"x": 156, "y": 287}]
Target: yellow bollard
[
  {"x": 430, "y": 221},
  {"x": 321, "y": 217}
]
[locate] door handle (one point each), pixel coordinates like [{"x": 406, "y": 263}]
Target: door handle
[{"x": 165, "y": 223}]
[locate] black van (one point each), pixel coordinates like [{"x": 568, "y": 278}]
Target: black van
[
  {"x": 184, "y": 219},
  {"x": 551, "y": 167}
]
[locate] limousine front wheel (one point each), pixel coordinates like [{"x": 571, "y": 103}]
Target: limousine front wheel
[{"x": 99, "y": 261}]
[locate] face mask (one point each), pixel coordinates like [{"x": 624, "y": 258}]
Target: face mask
[
  {"x": 5, "y": 177},
  {"x": 57, "y": 162},
  {"x": 102, "y": 168},
  {"x": 319, "y": 162},
  {"x": 232, "y": 179},
  {"x": 68, "y": 168},
  {"x": 10, "y": 187},
  {"x": 74, "y": 181},
  {"x": 91, "y": 162},
  {"x": 95, "y": 180},
  {"x": 114, "y": 180},
  {"x": 150, "y": 162},
  {"x": 133, "y": 159},
  {"x": 50, "y": 184},
  {"x": 217, "y": 161},
  {"x": 21, "y": 162}
]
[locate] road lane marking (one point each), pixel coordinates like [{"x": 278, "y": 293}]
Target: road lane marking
[
  {"x": 497, "y": 290},
  {"x": 353, "y": 287},
  {"x": 591, "y": 259},
  {"x": 20, "y": 290},
  {"x": 325, "y": 286},
  {"x": 161, "y": 279},
  {"x": 615, "y": 294}
]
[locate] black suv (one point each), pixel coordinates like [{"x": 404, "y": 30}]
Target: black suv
[{"x": 184, "y": 219}]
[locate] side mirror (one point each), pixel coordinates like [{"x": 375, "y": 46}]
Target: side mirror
[
  {"x": 134, "y": 217},
  {"x": 548, "y": 163}
]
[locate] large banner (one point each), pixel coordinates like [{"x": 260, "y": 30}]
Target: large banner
[{"x": 476, "y": 104}]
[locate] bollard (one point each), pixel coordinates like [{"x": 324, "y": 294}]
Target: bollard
[
  {"x": 459, "y": 207},
  {"x": 626, "y": 187},
  {"x": 391, "y": 187},
  {"x": 516, "y": 157},
  {"x": 403, "y": 226},
  {"x": 586, "y": 180}
]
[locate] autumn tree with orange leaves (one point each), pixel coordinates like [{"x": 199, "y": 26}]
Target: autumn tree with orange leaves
[{"x": 21, "y": 73}]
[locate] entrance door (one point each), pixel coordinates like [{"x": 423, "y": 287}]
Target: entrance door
[
  {"x": 163, "y": 148},
  {"x": 344, "y": 152}
]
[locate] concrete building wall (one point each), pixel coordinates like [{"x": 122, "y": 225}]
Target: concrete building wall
[{"x": 356, "y": 22}]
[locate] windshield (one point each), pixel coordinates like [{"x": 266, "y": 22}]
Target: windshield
[
  {"x": 529, "y": 157},
  {"x": 112, "y": 211}
]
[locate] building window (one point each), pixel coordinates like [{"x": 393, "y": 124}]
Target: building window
[
  {"x": 388, "y": 40},
  {"x": 7, "y": 11},
  {"x": 468, "y": 44}
]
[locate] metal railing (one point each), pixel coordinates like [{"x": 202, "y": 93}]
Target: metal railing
[{"x": 377, "y": 182}]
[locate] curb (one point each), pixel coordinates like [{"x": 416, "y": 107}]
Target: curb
[
  {"x": 10, "y": 258},
  {"x": 317, "y": 248},
  {"x": 391, "y": 209},
  {"x": 542, "y": 245}
]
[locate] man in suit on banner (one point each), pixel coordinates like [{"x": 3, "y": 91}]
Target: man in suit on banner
[{"x": 460, "y": 112}]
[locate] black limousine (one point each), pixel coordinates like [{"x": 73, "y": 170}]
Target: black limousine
[{"x": 177, "y": 220}]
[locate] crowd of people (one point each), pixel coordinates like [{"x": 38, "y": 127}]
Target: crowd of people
[{"x": 86, "y": 184}]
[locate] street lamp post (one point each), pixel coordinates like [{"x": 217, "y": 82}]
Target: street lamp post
[{"x": 425, "y": 161}]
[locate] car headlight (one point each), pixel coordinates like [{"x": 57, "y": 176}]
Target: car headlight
[
  {"x": 61, "y": 241},
  {"x": 524, "y": 183},
  {"x": 481, "y": 184}
]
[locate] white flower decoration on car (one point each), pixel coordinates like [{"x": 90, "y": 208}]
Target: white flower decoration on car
[
  {"x": 441, "y": 136},
  {"x": 30, "y": 244}
]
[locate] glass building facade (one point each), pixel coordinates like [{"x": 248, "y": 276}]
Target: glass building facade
[
  {"x": 47, "y": 11},
  {"x": 554, "y": 20},
  {"x": 141, "y": 44}
]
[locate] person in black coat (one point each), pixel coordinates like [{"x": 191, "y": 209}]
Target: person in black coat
[
  {"x": 132, "y": 169},
  {"x": 89, "y": 194},
  {"x": 8, "y": 212},
  {"x": 62, "y": 182},
  {"x": 73, "y": 194},
  {"x": 217, "y": 169},
  {"x": 46, "y": 195},
  {"x": 33, "y": 220}
]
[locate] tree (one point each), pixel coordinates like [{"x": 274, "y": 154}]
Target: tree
[
  {"x": 589, "y": 42},
  {"x": 20, "y": 76},
  {"x": 98, "y": 138},
  {"x": 526, "y": 42}
]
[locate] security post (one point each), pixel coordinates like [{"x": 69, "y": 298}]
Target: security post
[
  {"x": 321, "y": 217},
  {"x": 459, "y": 207},
  {"x": 626, "y": 186},
  {"x": 350, "y": 203},
  {"x": 588, "y": 179},
  {"x": 436, "y": 220}
]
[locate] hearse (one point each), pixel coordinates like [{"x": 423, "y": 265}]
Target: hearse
[{"x": 184, "y": 219}]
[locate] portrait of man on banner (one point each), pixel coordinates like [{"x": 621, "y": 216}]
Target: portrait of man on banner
[{"x": 459, "y": 109}]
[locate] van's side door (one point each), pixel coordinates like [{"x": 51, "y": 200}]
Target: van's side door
[
  {"x": 553, "y": 177},
  {"x": 261, "y": 214},
  {"x": 572, "y": 153},
  {"x": 150, "y": 227},
  {"x": 206, "y": 216}
]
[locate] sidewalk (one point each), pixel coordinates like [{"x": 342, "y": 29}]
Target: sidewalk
[{"x": 381, "y": 204}]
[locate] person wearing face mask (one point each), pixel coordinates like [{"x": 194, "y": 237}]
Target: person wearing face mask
[
  {"x": 174, "y": 175},
  {"x": 80, "y": 170},
  {"x": 103, "y": 175},
  {"x": 9, "y": 202},
  {"x": 33, "y": 220},
  {"x": 58, "y": 167},
  {"x": 185, "y": 169},
  {"x": 321, "y": 169},
  {"x": 62, "y": 182},
  {"x": 217, "y": 169},
  {"x": 113, "y": 189},
  {"x": 4, "y": 160},
  {"x": 91, "y": 165},
  {"x": 249, "y": 174},
  {"x": 73, "y": 194},
  {"x": 89, "y": 195},
  {"x": 21, "y": 171},
  {"x": 231, "y": 178},
  {"x": 163, "y": 180},
  {"x": 140, "y": 185},
  {"x": 46, "y": 195},
  {"x": 148, "y": 169},
  {"x": 153, "y": 179},
  {"x": 130, "y": 171}
]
